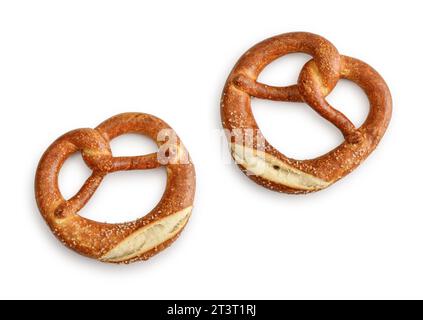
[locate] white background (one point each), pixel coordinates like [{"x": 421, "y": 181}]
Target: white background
[{"x": 70, "y": 64}]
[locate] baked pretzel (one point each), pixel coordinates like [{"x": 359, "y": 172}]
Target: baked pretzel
[
  {"x": 262, "y": 162},
  {"x": 121, "y": 242}
]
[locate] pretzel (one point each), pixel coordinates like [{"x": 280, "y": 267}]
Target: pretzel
[
  {"x": 120, "y": 242},
  {"x": 262, "y": 162}
]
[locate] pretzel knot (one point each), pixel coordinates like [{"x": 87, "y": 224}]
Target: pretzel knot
[
  {"x": 316, "y": 80},
  {"x": 123, "y": 242}
]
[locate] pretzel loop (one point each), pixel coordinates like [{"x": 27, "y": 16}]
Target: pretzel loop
[
  {"x": 96, "y": 153},
  {"x": 325, "y": 55},
  {"x": 316, "y": 80}
]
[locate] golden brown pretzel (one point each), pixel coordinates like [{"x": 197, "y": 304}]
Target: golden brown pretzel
[
  {"x": 121, "y": 242},
  {"x": 266, "y": 165}
]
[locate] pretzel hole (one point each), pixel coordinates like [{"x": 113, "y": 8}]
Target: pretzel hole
[
  {"x": 284, "y": 71},
  {"x": 72, "y": 176},
  {"x": 122, "y": 196},
  {"x": 295, "y": 129},
  {"x": 126, "y": 195},
  {"x": 132, "y": 144},
  {"x": 351, "y": 100}
]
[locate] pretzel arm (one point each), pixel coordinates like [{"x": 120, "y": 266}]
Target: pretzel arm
[
  {"x": 336, "y": 117},
  {"x": 148, "y": 161},
  {"x": 313, "y": 90},
  {"x": 264, "y": 91}
]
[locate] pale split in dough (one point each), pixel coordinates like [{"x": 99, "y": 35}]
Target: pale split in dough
[
  {"x": 271, "y": 168},
  {"x": 148, "y": 237}
]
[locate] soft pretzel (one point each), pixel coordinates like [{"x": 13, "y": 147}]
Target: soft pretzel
[
  {"x": 121, "y": 242},
  {"x": 262, "y": 162}
]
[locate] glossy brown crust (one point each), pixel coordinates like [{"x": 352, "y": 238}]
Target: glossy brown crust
[
  {"x": 92, "y": 238},
  {"x": 317, "y": 78}
]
